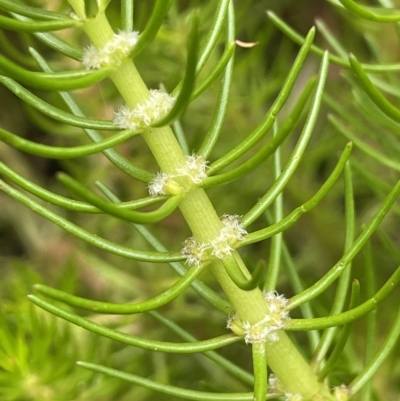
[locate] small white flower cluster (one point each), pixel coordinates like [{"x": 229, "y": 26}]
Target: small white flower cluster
[
  {"x": 194, "y": 169},
  {"x": 273, "y": 383},
  {"x": 220, "y": 247},
  {"x": 277, "y": 305},
  {"x": 267, "y": 328},
  {"x": 155, "y": 107},
  {"x": 293, "y": 397},
  {"x": 113, "y": 53},
  {"x": 341, "y": 393},
  {"x": 195, "y": 252},
  {"x": 158, "y": 184}
]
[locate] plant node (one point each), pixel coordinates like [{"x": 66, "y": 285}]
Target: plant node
[
  {"x": 113, "y": 53},
  {"x": 155, "y": 107},
  {"x": 220, "y": 247},
  {"x": 267, "y": 328},
  {"x": 341, "y": 393}
]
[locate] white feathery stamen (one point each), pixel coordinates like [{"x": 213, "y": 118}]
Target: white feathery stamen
[
  {"x": 275, "y": 320},
  {"x": 341, "y": 393},
  {"x": 155, "y": 107},
  {"x": 113, "y": 53},
  {"x": 233, "y": 227},
  {"x": 194, "y": 251},
  {"x": 293, "y": 397},
  {"x": 220, "y": 247},
  {"x": 157, "y": 185},
  {"x": 194, "y": 168}
]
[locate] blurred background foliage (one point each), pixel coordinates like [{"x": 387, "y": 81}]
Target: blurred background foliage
[{"x": 39, "y": 351}]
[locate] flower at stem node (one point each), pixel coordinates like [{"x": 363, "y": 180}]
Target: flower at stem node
[
  {"x": 341, "y": 393},
  {"x": 113, "y": 53},
  {"x": 222, "y": 245},
  {"x": 267, "y": 328},
  {"x": 164, "y": 184},
  {"x": 155, "y": 107},
  {"x": 194, "y": 251}
]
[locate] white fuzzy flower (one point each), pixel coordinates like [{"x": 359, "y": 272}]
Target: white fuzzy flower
[
  {"x": 194, "y": 168},
  {"x": 155, "y": 107},
  {"x": 275, "y": 320},
  {"x": 157, "y": 185},
  {"x": 260, "y": 332},
  {"x": 341, "y": 393},
  {"x": 195, "y": 252},
  {"x": 220, "y": 247},
  {"x": 113, "y": 53},
  {"x": 293, "y": 397},
  {"x": 233, "y": 227},
  {"x": 273, "y": 382},
  {"x": 277, "y": 305}
]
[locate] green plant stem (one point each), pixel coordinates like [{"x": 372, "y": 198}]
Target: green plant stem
[{"x": 286, "y": 361}]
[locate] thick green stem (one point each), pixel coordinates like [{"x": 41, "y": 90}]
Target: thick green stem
[{"x": 285, "y": 360}]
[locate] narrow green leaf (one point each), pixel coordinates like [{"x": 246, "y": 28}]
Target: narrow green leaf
[
  {"x": 52, "y": 81},
  {"x": 127, "y": 7},
  {"x": 371, "y": 319},
  {"x": 292, "y": 217},
  {"x": 160, "y": 10},
  {"x": 237, "y": 276},
  {"x": 343, "y": 337},
  {"x": 91, "y": 8},
  {"x": 373, "y": 93},
  {"x": 226, "y": 365},
  {"x": 93, "y": 239},
  {"x": 383, "y": 352},
  {"x": 54, "y": 112},
  {"x": 189, "y": 78},
  {"x": 323, "y": 283},
  {"x": 31, "y": 12},
  {"x": 296, "y": 282},
  {"x": 218, "y": 119},
  {"x": 54, "y": 42},
  {"x": 275, "y": 252},
  {"x": 269, "y": 148},
  {"x": 167, "y": 388},
  {"x": 330, "y": 38},
  {"x": 385, "y": 160},
  {"x": 217, "y": 70},
  {"x": 153, "y": 345},
  {"x": 59, "y": 45},
  {"x": 125, "y": 309},
  {"x": 297, "y": 153},
  {"x": 369, "y": 14},
  {"x": 260, "y": 371},
  {"x": 350, "y": 315},
  {"x": 67, "y": 203},
  {"x": 60, "y": 152},
  {"x": 300, "y": 40},
  {"x": 128, "y": 215},
  {"x": 180, "y": 136},
  {"x": 37, "y": 26},
  {"x": 9, "y": 50},
  {"x": 269, "y": 119},
  {"x": 344, "y": 279}
]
